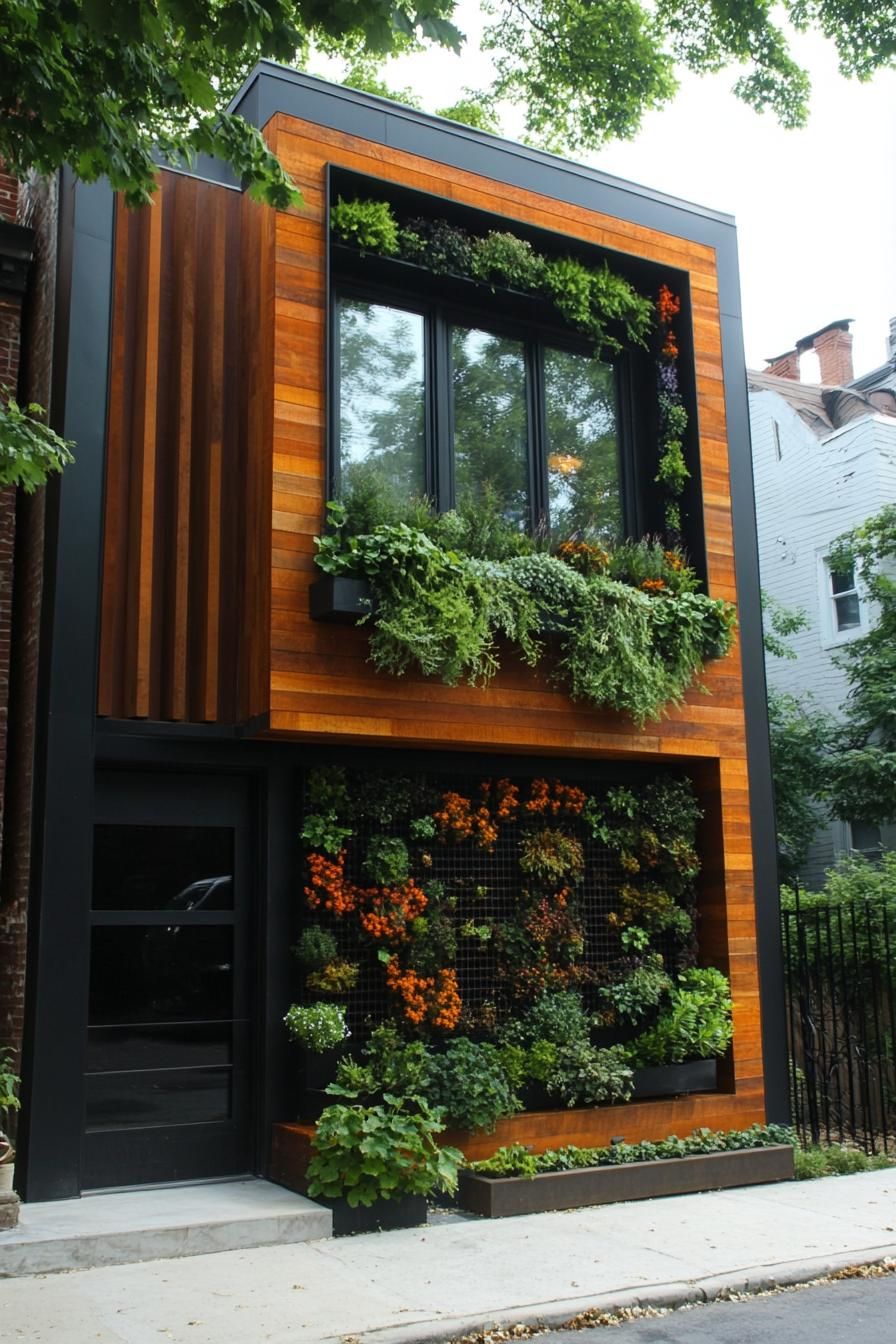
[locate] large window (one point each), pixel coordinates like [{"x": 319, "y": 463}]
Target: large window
[{"x": 437, "y": 406}]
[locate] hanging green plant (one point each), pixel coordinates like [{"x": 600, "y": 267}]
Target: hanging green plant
[
  {"x": 632, "y": 639},
  {"x": 596, "y": 301}
]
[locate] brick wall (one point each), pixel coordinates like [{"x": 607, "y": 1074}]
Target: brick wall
[
  {"x": 36, "y": 208},
  {"x": 10, "y": 344}
]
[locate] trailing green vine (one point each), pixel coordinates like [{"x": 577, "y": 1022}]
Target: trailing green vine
[{"x": 631, "y": 628}]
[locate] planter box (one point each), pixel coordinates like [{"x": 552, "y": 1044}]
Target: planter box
[
  {"x": 337, "y": 599},
  {"x": 386, "y": 1215},
  {"x": 505, "y": 1196},
  {"x": 676, "y": 1080},
  {"x": 291, "y": 1152}
]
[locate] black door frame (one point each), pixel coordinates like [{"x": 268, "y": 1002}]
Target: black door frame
[{"x": 154, "y": 1152}]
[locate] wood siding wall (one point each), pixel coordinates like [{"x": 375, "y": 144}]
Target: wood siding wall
[
  {"x": 176, "y": 539},
  {"x": 324, "y": 689}
]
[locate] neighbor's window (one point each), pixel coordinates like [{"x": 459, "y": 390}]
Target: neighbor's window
[
  {"x": 436, "y": 407},
  {"x": 846, "y": 608},
  {"x": 865, "y": 839},
  {"x": 381, "y": 358}
]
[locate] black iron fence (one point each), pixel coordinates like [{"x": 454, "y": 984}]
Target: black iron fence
[{"x": 841, "y": 1019}]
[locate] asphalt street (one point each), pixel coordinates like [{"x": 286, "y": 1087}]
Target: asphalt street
[{"x": 863, "y": 1310}]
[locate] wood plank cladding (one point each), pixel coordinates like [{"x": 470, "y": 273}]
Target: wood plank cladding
[
  {"x": 322, "y": 686},
  {"x": 176, "y": 535}
]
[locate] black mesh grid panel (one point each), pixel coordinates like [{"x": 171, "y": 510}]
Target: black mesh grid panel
[{"x": 475, "y": 888}]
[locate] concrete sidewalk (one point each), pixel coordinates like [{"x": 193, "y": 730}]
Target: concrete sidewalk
[{"x": 437, "y": 1282}]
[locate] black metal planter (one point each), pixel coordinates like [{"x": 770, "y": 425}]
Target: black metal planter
[
  {"x": 676, "y": 1080},
  {"x": 384, "y": 1215},
  {"x": 505, "y": 1196}
]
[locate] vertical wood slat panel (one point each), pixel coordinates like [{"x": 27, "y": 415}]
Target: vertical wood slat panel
[
  {"x": 112, "y": 634},
  {"x": 138, "y": 650},
  {"x": 184, "y": 244},
  {"x": 208, "y": 687},
  {"x": 175, "y": 476},
  {"x": 257, "y": 270}
]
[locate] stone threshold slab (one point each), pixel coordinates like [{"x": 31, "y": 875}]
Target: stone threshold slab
[{"x": 128, "y": 1226}]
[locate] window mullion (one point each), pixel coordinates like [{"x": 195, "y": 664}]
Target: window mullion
[
  {"x": 537, "y": 434},
  {"x": 441, "y": 414}
]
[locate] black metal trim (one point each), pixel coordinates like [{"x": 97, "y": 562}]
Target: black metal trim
[
  {"x": 271, "y": 88},
  {"x": 762, "y": 814},
  {"x": 58, "y": 925}
]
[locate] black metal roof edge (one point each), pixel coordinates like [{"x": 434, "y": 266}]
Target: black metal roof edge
[{"x": 273, "y": 88}]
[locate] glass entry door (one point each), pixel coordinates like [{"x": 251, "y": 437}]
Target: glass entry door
[{"x": 167, "y": 1081}]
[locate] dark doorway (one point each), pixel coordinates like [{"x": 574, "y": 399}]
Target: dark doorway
[{"x": 168, "y": 1077}]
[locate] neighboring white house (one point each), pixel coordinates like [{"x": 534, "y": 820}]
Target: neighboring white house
[{"x": 824, "y": 460}]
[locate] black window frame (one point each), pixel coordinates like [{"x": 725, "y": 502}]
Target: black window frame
[{"x": 440, "y": 316}]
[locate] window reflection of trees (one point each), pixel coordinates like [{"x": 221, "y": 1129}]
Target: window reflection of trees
[
  {"x": 491, "y": 440},
  {"x": 382, "y": 419},
  {"x": 381, "y": 396},
  {"x": 582, "y": 448}
]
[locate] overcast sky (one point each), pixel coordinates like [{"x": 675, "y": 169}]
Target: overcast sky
[{"x": 815, "y": 209}]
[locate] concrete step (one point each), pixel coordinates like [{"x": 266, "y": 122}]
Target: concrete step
[{"x": 124, "y": 1227}]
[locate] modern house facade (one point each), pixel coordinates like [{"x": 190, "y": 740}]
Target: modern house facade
[
  {"x": 190, "y": 683},
  {"x": 824, "y": 460}
]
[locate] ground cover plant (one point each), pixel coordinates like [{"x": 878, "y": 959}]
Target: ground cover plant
[{"x": 517, "y": 1160}]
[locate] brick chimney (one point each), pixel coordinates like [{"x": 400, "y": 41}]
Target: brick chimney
[
  {"x": 833, "y": 346},
  {"x": 785, "y": 366}
]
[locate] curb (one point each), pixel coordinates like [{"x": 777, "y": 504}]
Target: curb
[{"x": 679, "y": 1293}]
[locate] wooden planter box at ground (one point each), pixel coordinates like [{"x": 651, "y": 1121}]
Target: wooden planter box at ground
[{"x": 504, "y": 1196}]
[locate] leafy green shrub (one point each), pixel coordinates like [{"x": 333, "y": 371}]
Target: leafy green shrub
[
  {"x": 317, "y": 1026},
  {"x": 696, "y": 1024},
  {"x": 422, "y": 828},
  {"x": 441, "y": 610},
  {"x": 815, "y": 1161},
  {"x": 507, "y": 260},
  {"x": 641, "y": 990},
  {"x": 434, "y": 942},
  {"x": 9, "y": 1088},
  {"x": 469, "y": 1082},
  {"x": 366, "y": 1153},
  {"x": 854, "y": 889},
  {"x": 569, "y": 284},
  {"x": 599, "y": 302},
  {"x": 337, "y": 977},
  {"x": 370, "y": 225},
  {"x": 586, "y": 1076},
  {"x": 557, "y": 1018},
  {"x": 444, "y": 248},
  {"x": 552, "y": 855},
  {"x": 391, "y": 1065},
  {"x": 316, "y": 946},
  {"x": 323, "y": 830},
  {"x": 387, "y": 860},
  {"x": 29, "y": 450},
  {"x": 540, "y": 1061},
  {"x": 326, "y": 791}
]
